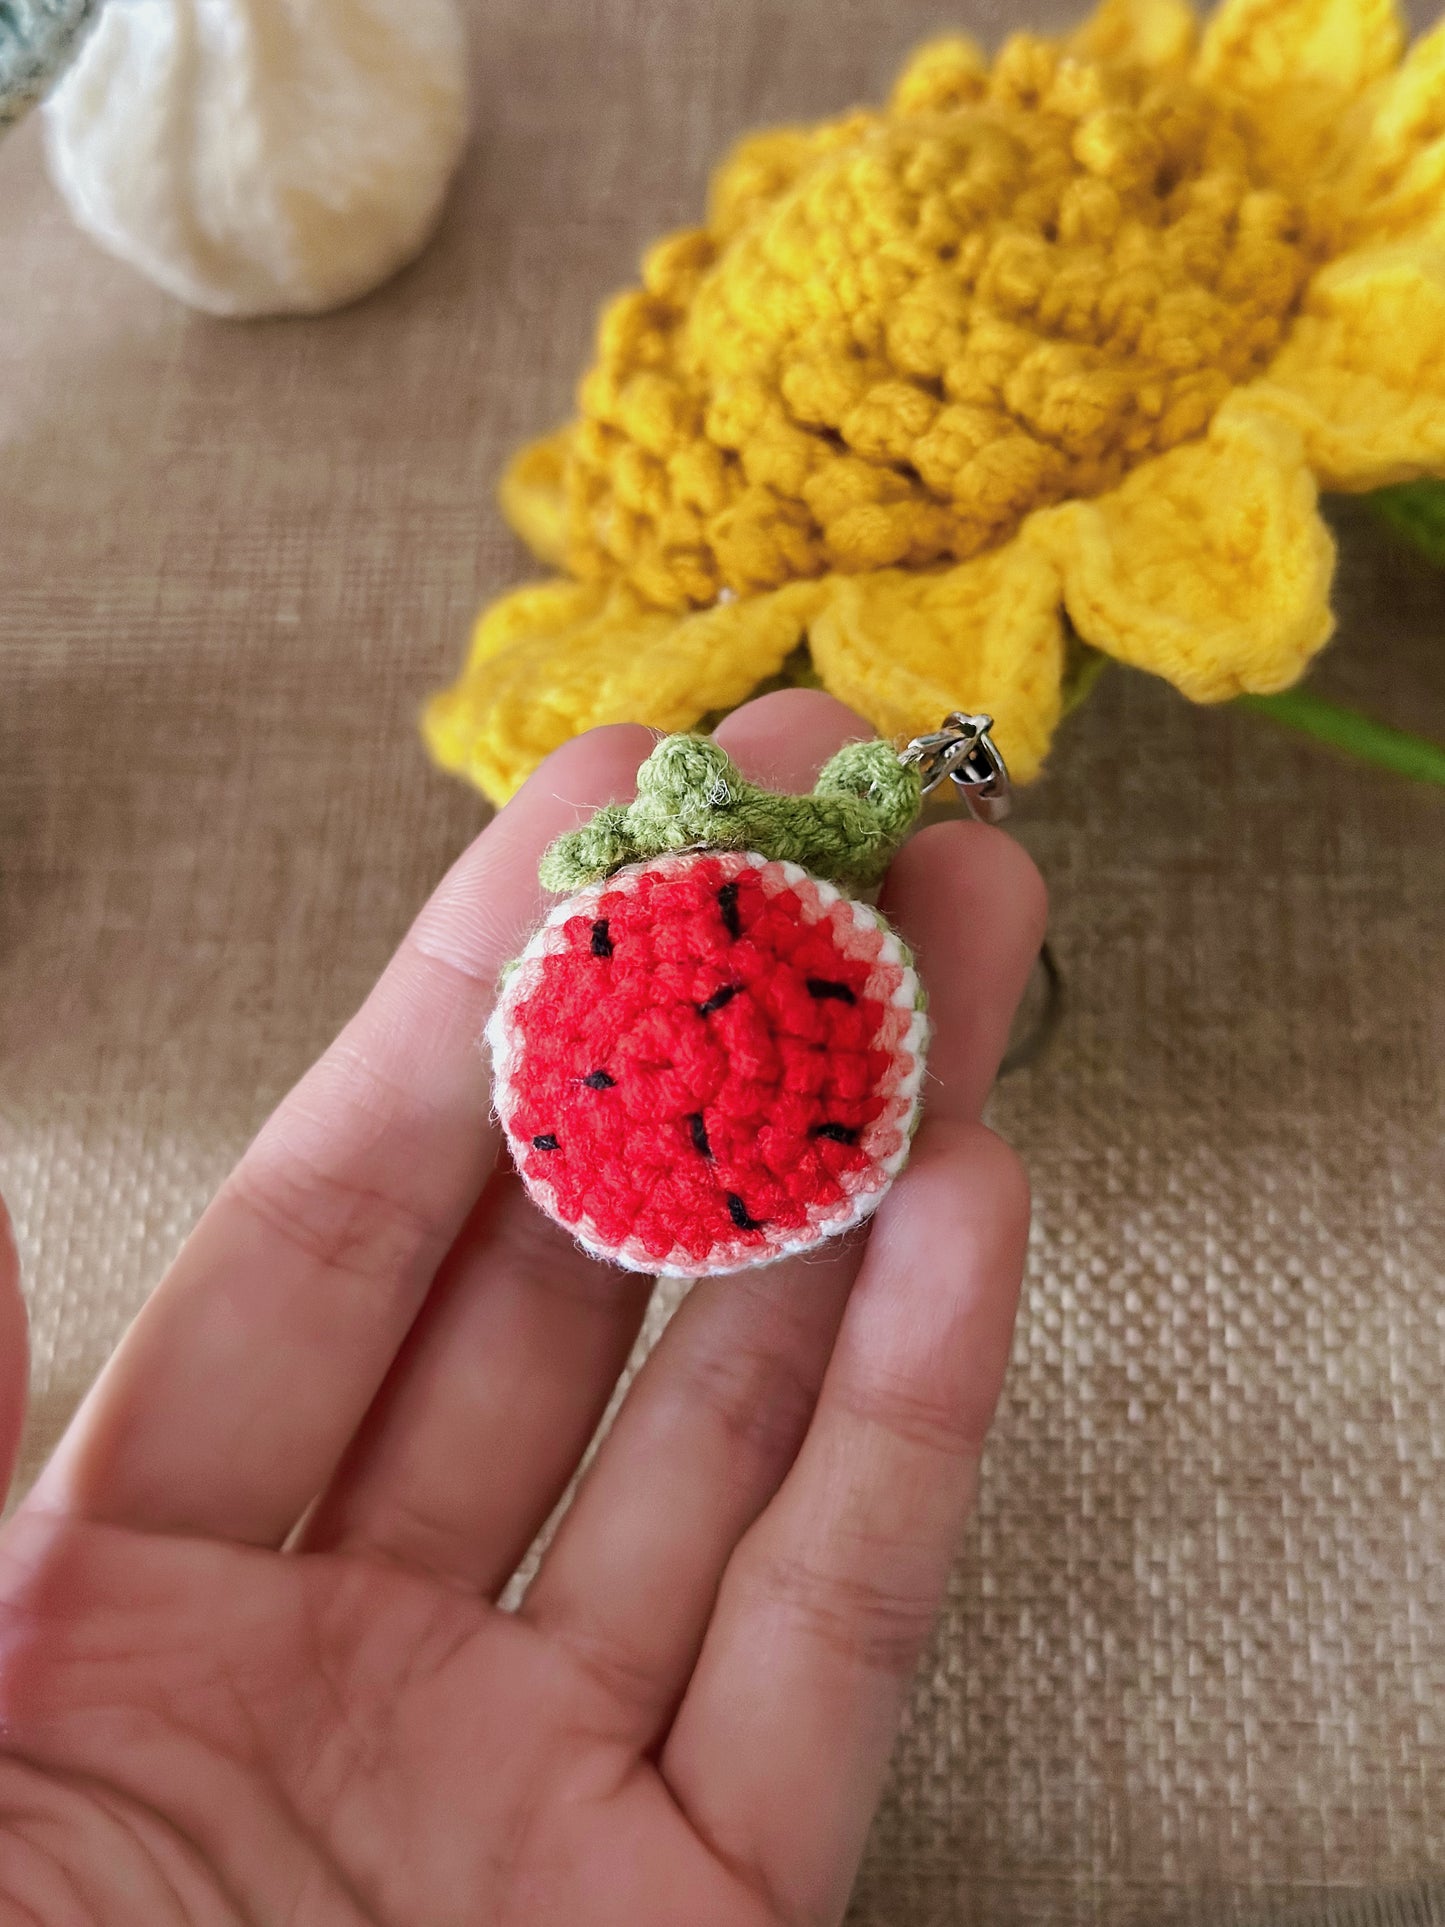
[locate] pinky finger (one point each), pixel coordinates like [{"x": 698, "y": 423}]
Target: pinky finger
[{"x": 780, "y": 1746}]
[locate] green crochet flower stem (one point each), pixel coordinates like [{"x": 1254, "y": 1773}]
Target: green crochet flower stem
[
  {"x": 1415, "y": 510},
  {"x": 691, "y": 794},
  {"x": 1359, "y": 736}
]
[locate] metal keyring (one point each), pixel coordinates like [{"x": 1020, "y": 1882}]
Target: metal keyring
[
  {"x": 964, "y": 752},
  {"x": 1032, "y": 1045}
]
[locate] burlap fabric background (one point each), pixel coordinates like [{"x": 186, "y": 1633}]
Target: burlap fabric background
[{"x": 1193, "y": 1662}]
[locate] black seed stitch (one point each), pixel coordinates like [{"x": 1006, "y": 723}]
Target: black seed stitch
[
  {"x": 698, "y": 1128},
  {"x": 826, "y": 987},
  {"x": 724, "y": 994},
  {"x": 840, "y": 1133},
  {"x": 598, "y": 1081},
  {"x": 547, "y": 1142},
  {"x": 601, "y": 938},
  {"x": 738, "y": 1212},
  {"x": 727, "y": 903}
]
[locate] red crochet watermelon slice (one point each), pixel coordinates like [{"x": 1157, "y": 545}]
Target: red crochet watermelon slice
[{"x": 708, "y": 1060}]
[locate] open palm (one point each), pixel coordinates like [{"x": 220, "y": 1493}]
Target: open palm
[{"x": 252, "y": 1665}]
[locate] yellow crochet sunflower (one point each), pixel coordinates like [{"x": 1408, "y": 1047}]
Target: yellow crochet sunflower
[{"x": 1049, "y": 351}]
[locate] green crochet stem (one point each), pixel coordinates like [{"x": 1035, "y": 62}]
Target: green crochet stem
[
  {"x": 690, "y": 795},
  {"x": 1415, "y": 510},
  {"x": 1359, "y": 736}
]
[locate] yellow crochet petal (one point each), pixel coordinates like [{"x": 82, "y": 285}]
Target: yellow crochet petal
[
  {"x": 1362, "y": 377},
  {"x": 1262, "y": 49},
  {"x": 1398, "y": 182},
  {"x": 1299, "y": 70},
  {"x": 547, "y": 663},
  {"x": 1209, "y": 565},
  {"x": 533, "y": 498},
  {"x": 1145, "y": 33},
  {"x": 904, "y": 649}
]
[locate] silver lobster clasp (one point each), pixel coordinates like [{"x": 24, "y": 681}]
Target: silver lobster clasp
[{"x": 964, "y": 751}]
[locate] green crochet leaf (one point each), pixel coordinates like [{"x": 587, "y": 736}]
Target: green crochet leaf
[{"x": 691, "y": 795}]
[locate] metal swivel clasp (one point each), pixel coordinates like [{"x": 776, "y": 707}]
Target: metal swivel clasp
[{"x": 964, "y": 751}]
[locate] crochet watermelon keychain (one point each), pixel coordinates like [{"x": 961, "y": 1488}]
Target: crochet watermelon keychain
[{"x": 711, "y": 1054}]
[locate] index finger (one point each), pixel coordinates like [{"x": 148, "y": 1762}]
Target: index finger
[{"x": 238, "y": 1388}]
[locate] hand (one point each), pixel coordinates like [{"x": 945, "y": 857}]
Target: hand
[{"x": 251, "y": 1664}]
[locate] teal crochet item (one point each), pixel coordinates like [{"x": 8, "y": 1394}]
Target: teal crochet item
[
  {"x": 691, "y": 795},
  {"x": 37, "y": 40}
]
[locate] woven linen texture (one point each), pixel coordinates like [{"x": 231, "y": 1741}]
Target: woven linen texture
[{"x": 1192, "y": 1666}]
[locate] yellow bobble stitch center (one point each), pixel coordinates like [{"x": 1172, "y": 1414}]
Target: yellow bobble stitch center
[{"x": 901, "y": 333}]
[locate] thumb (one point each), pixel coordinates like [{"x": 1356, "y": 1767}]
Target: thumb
[{"x": 14, "y": 1352}]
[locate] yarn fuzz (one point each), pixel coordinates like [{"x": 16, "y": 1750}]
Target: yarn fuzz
[
  {"x": 710, "y": 1058},
  {"x": 1056, "y": 347}
]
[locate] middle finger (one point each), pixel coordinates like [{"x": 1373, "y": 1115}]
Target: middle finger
[{"x": 716, "y": 1417}]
